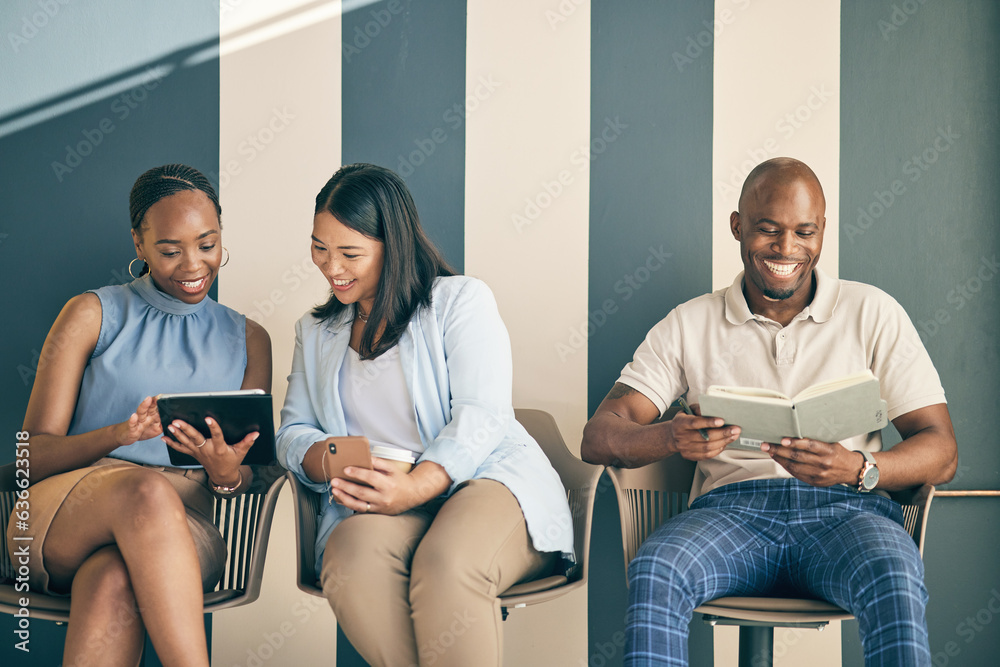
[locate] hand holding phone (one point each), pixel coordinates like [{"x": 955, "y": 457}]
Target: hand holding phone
[{"x": 344, "y": 451}]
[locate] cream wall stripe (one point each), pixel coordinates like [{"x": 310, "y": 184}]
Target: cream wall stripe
[
  {"x": 526, "y": 234},
  {"x": 777, "y": 92},
  {"x": 527, "y": 200},
  {"x": 279, "y": 142}
]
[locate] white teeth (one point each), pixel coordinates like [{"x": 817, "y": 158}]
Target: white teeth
[
  {"x": 196, "y": 283},
  {"x": 781, "y": 269},
  {"x": 342, "y": 282}
]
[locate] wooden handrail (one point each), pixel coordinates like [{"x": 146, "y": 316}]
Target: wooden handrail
[{"x": 993, "y": 493}]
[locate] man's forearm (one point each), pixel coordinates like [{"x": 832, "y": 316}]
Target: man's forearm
[
  {"x": 928, "y": 453},
  {"x": 927, "y": 457},
  {"x": 609, "y": 439}
]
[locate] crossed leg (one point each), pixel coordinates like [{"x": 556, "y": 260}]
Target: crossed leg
[{"x": 121, "y": 541}]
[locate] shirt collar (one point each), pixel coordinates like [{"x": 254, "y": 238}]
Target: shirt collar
[{"x": 820, "y": 309}]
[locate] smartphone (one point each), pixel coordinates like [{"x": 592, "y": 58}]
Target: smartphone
[{"x": 344, "y": 451}]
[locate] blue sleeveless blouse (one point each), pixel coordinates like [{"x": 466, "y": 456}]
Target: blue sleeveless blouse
[{"x": 152, "y": 343}]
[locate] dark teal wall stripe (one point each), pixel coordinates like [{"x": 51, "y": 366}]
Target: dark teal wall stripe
[
  {"x": 651, "y": 175},
  {"x": 650, "y": 226},
  {"x": 920, "y": 166},
  {"x": 403, "y": 105},
  {"x": 919, "y": 199},
  {"x": 65, "y": 226},
  {"x": 66, "y": 229},
  {"x": 403, "y": 65}
]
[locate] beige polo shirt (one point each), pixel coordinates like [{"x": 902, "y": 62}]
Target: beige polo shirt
[{"x": 715, "y": 340}]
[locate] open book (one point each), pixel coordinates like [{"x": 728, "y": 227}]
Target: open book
[{"x": 830, "y": 411}]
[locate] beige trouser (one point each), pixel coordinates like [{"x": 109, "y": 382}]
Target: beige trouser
[{"x": 421, "y": 589}]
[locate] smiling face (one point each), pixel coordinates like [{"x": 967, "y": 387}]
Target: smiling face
[
  {"x": 780, "y": 229},
  {"x": 181, "y": 240},
  {"x": 351, "y": 261}
]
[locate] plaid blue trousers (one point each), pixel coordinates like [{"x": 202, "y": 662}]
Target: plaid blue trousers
[{"x": 780, "y": 537}]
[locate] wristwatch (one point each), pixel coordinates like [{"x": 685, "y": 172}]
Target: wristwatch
[{"x": 868, "y": 478}]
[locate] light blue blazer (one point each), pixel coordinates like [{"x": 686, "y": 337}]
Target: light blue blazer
[{"x": 457, "y": 363}]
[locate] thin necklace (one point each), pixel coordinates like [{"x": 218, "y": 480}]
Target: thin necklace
[{"x": 357, "y": 311}]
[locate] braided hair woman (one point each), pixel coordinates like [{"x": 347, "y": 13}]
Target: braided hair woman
[{"x": 113, "y": 525}]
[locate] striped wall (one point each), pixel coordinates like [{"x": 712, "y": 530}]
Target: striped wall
[
  {"x": 920, "y": 166},
  {"x": 90, "y": 97},
  {"x": 280, "y": 140},
  {"x": 650, "y": 227},
  {"x": 582, "y": 158},
  {"x": 792, "y": 110}
]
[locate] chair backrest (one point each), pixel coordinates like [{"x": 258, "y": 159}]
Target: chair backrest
[
  {"x": 306, "y": 503},
  {"x": 8, "y": 497},
  {"x": 916, "y": 505},
  {"x": 648, "y": 496},
  {"x": 245, "y": 524},
  {"x": 580, "y": 480}
]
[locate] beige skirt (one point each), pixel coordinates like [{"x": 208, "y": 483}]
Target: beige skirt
[{"x": 51, "y": 494}]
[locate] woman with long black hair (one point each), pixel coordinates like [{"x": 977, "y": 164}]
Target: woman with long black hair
[{"x": 418, "y": 360}]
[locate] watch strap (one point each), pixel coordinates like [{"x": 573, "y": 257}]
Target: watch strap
[{"x": 866, "y": 466}]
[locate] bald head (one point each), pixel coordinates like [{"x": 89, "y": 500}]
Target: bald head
[{"x": 778, "y": 172}]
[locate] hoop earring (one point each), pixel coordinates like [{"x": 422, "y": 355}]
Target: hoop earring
[
  {"x": 130, "y": 267},
  {"x": 225, "y": 261}
]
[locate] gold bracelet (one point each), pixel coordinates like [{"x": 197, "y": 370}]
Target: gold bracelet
[{"x": 227, "y": 490}]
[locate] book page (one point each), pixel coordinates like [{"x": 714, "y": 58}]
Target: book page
[
  {"x": 834, "y": 385},
  {"x": 751, "y": 393}
]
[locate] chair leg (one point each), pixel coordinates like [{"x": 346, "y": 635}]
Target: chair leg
[{"x": 756, "y": 645}]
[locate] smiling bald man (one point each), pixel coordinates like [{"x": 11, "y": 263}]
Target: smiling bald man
[{"x": 800, "y": 517}]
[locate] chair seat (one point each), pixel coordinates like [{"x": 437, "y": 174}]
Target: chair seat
[
  {"x": 776, "y": 610},
  {"x": 535, "y": 586}
]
